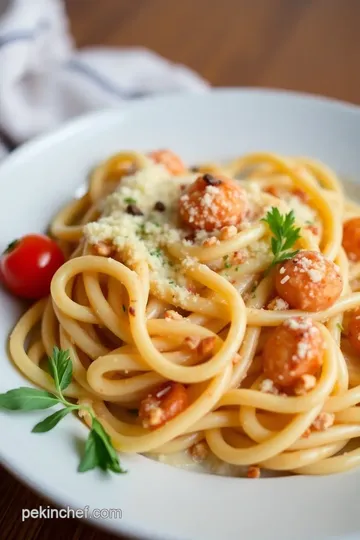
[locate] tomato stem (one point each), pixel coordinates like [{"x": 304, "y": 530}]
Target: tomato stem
[{"x": 11, "y": 246}]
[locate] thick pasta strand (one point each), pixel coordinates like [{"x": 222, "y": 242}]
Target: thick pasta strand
[{"x": 195, "y": 312}]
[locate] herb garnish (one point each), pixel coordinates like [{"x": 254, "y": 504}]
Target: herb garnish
[
  {"x": 129, "y": 200},
  {"x": 99, "y": 451},
  {"x": 285, "y": 235},
  {"x": 226, "y": 261},
  {"x": 156, "y": 252}
]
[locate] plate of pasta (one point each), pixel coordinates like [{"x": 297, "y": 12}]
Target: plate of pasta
[{"x": 181, "y": 289}]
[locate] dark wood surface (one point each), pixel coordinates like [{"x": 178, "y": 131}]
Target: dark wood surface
[{"x": 311, "y": 46}]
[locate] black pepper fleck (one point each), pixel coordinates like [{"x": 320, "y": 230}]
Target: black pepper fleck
[
  {"x": 160, "y": 206},
  {"x": 133, "y": 210},
  {"x": 190, "y": 237},
  {"x": 210, "y": 180}
]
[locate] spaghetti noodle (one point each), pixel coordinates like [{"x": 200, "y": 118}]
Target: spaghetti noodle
[{"x": 166, "y": 306}]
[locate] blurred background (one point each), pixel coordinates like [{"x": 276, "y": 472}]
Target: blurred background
[{"x": 304, "y": 45}]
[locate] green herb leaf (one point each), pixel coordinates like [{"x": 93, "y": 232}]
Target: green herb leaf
[
  {"x": 129, "y": 200},
  {"x": 286, "y": 256},
  {"x": 156, "y": 252},
  {"x": 113, "y": 458},
  {"x": 90, "y": 459},
  {"x": 285, "y": 234},
  {"x": 27, "y": 399},
  {"x": 99, "y": 451},
  {"x": 51, "y": 421},
  {"x": 340, "y": 327},
  {"x": 60, "y": 367}
]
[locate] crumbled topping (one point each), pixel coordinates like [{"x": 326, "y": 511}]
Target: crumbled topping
[
  {"x": 298, "y": 323},
  {"x": 267, "y": 386},
  {"x": 104, "y": 249},
  {"x": 211, "y": 241},
  {"x": 228, "y": 232},
  {"x": 199, "y": 452},
  {"x": 315, "y": 268},
  {"x": 240, "y": 256},
  {"x": 323, "y": 421},
  {"x": 188, "y": 262},
  {"x": 171, "y": 315},
  {"x": 304, "y": 213},
  {"x": 278, "y": 304},
  {"x": 306, "y": 383},
  {"x": 155, "y": 417},
  {"x": 303, "y": 349},
  {"x": 206, "y": 347},
  {"x": 145, "y": 235},
  {"x": 253, "y": 472}
]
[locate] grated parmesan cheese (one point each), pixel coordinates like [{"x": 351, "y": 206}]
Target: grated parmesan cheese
[
  {"x": 278, "y": 304},
  {"x": 267, "y": 386},
  {"x": 145, "y": 237},
  {"x": 298, "y": 323},
  {"x": 303, "y": 349},
  {"x": 304, "y": 213}
]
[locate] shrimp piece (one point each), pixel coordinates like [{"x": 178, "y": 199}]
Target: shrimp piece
[
  {"x": 294, "y": 349},
  {"x": 309, "y": 281},
  {"x": 213, "y": 202},
  {"x": 351, "y": 238},
  {"x": 167, "y": 402},
  {"x": 354, "y": 330},
  {"x": 168, "y": 158}
]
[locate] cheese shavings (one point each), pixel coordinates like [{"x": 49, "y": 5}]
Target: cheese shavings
[{"x": 144, "y": 235}]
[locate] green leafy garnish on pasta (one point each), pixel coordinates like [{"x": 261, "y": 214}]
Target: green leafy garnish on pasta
[
  {"x": 99, "y": 451},
  {"x": 285, "y": 234}
]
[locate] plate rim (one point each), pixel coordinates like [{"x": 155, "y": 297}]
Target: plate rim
[{"x": 79, "y": 124}]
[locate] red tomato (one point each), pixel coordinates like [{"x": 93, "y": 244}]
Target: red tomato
[{"x": 28, "y": 265}]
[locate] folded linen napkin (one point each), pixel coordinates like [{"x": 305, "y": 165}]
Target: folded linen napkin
[{"x": 45, "y": 80}]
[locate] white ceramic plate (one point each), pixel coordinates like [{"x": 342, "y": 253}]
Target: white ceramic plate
[{"x": 158, "y": 501}]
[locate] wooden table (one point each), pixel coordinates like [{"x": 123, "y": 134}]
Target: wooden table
[{"x": 311, "y": 46}]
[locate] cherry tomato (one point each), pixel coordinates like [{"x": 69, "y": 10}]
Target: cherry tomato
[{"x": 28, "y": 265}]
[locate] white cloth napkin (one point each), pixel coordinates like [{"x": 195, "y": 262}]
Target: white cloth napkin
[{"x": 44, "y": 79}]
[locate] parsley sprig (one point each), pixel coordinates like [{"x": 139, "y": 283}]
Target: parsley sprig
[
  {"x": 99, "y": 451},
  {"x": 284, "y": 235}
]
